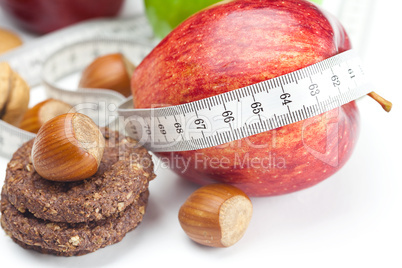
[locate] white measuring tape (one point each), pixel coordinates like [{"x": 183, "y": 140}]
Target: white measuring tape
[
  {"x": 250, "y": 110},
  {"x": 208, "y": 122},
  {"x": 41, "y": 62}
]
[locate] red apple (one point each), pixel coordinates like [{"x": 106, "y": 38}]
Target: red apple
[
  {"x": 235, "y": 44},
  {"x": 44, "y": 16}
]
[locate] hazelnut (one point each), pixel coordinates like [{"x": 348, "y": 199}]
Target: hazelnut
[
  {"x": 9, "y": 40},
  {"x": 216, "y": 215},
  {"x": 14, "y": 95},
  {"x": 112, "y": 71},
  {"x": 36, "y": 116},
  {"x": 68, "y": 147},
  {"x": 5, "y": 83}
]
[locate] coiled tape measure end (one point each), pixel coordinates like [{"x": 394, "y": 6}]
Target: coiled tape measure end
[{"x": 28, "y": 61}]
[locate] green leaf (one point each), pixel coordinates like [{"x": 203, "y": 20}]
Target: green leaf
[
  {"x": 165, "y": 15},
  {"x": 319, "y": 2}
]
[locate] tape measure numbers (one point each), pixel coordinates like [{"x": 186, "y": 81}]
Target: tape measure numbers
[
  {"x": 208, "y": 122},
  {"x": 250, "y": 110}
]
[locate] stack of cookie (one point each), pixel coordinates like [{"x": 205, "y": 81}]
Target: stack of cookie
[{"x": 77, "y": 218}]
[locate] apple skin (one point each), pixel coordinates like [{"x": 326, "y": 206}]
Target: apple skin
[
  {"x": 44, "y": 16},
  {"x": 239, "y": 43}
]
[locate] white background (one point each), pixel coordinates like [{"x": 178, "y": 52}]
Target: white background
[{"x": 353, "y": 219}]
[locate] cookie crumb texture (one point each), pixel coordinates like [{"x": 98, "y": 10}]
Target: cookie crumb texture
[
  {"x": 77, "y": 218},
  {"x": 124, "y": 172},
  {"x": 66, "y": 239}
]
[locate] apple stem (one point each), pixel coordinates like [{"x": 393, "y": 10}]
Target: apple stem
[{"x": 386, "y": 105}]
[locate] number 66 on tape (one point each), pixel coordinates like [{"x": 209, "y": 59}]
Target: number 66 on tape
[{"x": 250, "y": 110}]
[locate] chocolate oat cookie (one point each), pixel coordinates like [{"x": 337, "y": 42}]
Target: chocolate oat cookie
[
  {"x": 124, "y": 172},
  {"x": 66, "y": 239}
]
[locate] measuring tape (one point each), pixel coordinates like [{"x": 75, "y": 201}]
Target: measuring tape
[
  {"x": 45, "y": 60},
  {"x": 250, "y": 110},
  {"x": 205, "y": 123}
]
